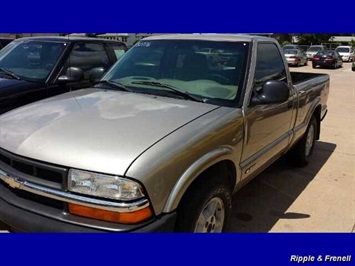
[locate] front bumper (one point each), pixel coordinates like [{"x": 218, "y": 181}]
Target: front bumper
[
  {"x": 292, "y": 61},
  {"x": 310, "y": 56},
  {"x": 20, "y": 218},
  {"x": 345, "y": 58},
  {"x": 27, "y": 205}
]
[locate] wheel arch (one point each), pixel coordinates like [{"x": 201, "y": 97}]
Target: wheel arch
[{"x": 219, "y": 160}]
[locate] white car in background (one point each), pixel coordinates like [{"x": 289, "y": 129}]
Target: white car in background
[
  {"x": 313, "y": 50},
  {"x": 346, "y": 53}
]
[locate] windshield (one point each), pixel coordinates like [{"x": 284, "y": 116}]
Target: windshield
[
  {"x": 315, "y": 48},
  {"x": 31, "y": 60},
  {"x": 325, "y": 53},
  {"x": 291, "y": 51},
  {"x": 211, "y": 70},
  {"x": 289, "y": 47},
  {"x": 343, "y": 50}
]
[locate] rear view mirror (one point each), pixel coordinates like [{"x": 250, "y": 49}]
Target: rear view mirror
[
  {"x": 72, "y": 74},
  {"x": 273, "y": 91},
  {"x": 97, "y": 73}
]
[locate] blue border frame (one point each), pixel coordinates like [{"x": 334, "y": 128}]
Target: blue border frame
[{"x": 175, "y": 249}]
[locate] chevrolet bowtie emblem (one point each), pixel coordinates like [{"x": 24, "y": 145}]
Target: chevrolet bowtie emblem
[{"x": 12, "y": 182}]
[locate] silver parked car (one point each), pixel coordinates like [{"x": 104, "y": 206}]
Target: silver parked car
[{"x": 295, "y": 57}]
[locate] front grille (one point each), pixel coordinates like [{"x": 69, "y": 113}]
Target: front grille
[
  {"x": 36, "y": 172},
  {"x": 5, "y": 159},
  {"x": 27, "y": 196}
]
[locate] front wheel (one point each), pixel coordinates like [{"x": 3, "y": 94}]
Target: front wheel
[
  {"x": 302, "y": 151},
  {"x": 205, "y": 209}
]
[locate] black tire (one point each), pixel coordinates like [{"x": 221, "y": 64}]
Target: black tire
[
  {"x": 314, "y": 66},
  {"x": 299, "y": 155},
  {"x": 195, "y": 201}
]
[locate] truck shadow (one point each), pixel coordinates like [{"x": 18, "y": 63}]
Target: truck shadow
[{"x": 266, "y": 199}]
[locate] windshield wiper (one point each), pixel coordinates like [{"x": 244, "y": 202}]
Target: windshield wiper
[
  {"x": 115, "y": 84},
  {"x": 10, "y": 73},
  {"x": 186, "y": 95}
]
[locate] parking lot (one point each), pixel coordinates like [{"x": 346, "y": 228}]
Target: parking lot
[{"x": 319, "y": 197}]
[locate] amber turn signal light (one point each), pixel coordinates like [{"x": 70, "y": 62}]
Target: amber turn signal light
[{"x": 110, "y": 216}]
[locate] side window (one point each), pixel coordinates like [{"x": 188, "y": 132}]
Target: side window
[
  {"x": 269, "y": 65},
  {"x": 87, "y": 56},
  {"x": 119, "y": 50}
]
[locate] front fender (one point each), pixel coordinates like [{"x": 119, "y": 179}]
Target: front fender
[{"x": 203, "y": 163}]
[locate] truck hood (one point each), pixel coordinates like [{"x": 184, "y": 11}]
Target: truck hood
[{"x": 94, "y": 129}]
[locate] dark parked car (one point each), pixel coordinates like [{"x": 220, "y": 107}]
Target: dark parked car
[
  {"x": 4, "y": 42},
  {"x": 35, "y": 68},
  {"x": 327, "y": 58}
]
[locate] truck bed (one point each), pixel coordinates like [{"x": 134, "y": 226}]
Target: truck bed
[{"x": 298, "y": 77}]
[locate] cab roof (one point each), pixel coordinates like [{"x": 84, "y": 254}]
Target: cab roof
[
  {"x": 210, "y": 37},
  {"x": 67, "y": 39}
]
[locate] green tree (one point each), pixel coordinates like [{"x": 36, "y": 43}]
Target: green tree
[
  {"x": 352, "y": 42},
  {"x": 283, "y": 38},
  {"x": 313, "y": 38}
]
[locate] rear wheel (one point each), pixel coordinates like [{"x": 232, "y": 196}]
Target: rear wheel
[
  {"x": 206, "y": 208},
  {"x": 314, "y": 66},
  {"x": 301, "y": 153}
]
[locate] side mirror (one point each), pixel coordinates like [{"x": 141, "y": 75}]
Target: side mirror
[
  {"x": 97, "y": 73},
  {"x": 73, "y": 74},
  {"x": 273, "y": 91}
]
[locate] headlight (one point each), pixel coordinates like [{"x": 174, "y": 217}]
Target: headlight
[{"x": 105, "y": 186}]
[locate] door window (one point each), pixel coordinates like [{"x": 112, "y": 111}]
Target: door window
[
  {"x": 269, "y": 65},
  {"x": 87, "y": 56}
]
